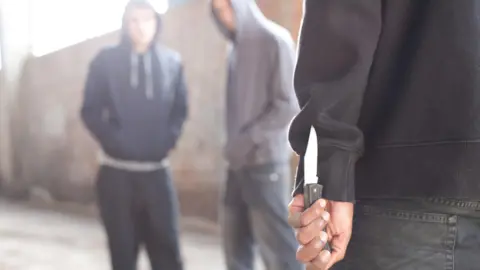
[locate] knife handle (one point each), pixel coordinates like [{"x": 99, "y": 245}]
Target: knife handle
[{"x": 311, "y": 194}]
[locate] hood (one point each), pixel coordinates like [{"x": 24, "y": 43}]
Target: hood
[
  {"x": 125, "y": 38},
  {"x": 147, "y": 57},
  {"x": 248, "y": 19}
]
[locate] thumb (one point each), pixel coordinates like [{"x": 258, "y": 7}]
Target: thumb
[
  {"x": 295, "y": 209},
  {"x": 339, "y": 246}
]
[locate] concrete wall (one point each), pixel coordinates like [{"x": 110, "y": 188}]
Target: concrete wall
[{"x": 53, "y": 151}]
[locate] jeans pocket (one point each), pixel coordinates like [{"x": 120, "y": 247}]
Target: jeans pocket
[
  {"x": 397, "y": 239},
  {"x": 266, "y": 186}
]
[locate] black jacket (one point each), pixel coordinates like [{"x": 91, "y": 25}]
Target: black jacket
[{"x": 392, "y": 88}]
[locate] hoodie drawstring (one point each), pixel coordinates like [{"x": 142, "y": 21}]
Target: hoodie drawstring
[
  {"x": 134, "y": 74},
  {"x": 147, "y": 63},
  {"x": 134, "y": 70}
]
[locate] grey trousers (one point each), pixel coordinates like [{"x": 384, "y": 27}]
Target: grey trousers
[
  {"x": 432, "y": 234},
  {"x": 254, "y": 210}
]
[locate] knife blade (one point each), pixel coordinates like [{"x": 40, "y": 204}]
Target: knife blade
[
  {"x": 312, "y": 191},
  {"x": 310, "y": 168}
]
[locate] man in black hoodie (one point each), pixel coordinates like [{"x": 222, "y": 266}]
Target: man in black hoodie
[
  {"x": 135, "y": 106},
  {"x": 392, "y": 88}
]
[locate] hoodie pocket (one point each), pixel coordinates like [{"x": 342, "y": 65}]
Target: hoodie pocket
[{"x": 115, "y": 146}]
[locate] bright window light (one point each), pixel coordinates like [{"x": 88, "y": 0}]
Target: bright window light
[{"x": 57, "y": 24}]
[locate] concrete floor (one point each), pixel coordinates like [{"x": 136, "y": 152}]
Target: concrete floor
[{"x": 33, "y": 239}]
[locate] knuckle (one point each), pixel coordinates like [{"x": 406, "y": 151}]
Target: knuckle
[
  {"x": 325, "y": 216},
  {"x": 323, "y": 236},
  {"x": 317, "y": 208},
  {"x": 294, "y": 220},
  {"x": 304, "y": 219},
  {"x": 302, "y": 237},
  {"x": 320, "y": 203},
  {"x": 318, "y": 263},
  {"x": 309, "y": 216},
  {"x": 301, "y": 258},
  {"x": 318, "y": 244},
  {"x": 319, "y": 225}
]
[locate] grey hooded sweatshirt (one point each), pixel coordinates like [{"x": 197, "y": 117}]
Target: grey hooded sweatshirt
[{"x": 260, "y": 96}]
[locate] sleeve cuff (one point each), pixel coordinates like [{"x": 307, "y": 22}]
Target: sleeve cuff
[{"x": 336, "y": 172}]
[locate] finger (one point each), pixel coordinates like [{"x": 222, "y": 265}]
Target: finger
[
  {"x": 330, "y": 233},
  {"x": 313, "y": 213},
  {"x": 308, "y": 233},
  {"x": 336, "y": 256},
  {"x": 312, "y": 267},
  {"x": 321, "y": 262},
  {"x": 294, "y": 220},
  {"x": 295, "y": 208},
  {"x": 296, "y": 204},
  {"x": 310, "y": 251}
]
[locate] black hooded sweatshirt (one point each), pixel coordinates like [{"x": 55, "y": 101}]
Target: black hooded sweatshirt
[
  {"x": 135, "y": 105},
  {"x": 392, "y": 88}
]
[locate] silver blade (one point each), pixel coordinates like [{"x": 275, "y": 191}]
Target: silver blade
[{"x": 310, "y": 162}]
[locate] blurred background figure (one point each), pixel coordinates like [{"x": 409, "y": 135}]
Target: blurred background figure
[
  {"x": 49, "y": 165},
  {"x": 260, "y": 104},
  {"x": 135, "y": 106}
]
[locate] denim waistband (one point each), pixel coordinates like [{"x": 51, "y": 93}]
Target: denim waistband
[
  {"x": 434, "y": 205},
  {"x": 456, "y": 203}
]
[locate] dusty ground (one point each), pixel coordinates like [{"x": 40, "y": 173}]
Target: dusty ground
[{"x": 35, "y": 239}]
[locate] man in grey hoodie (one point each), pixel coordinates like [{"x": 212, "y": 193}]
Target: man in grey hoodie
[
  {"x": 135, "y": 105},
  {"x": 260, "y": 105}
]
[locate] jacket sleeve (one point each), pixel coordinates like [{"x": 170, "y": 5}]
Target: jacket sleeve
[
  {"x": 282, "y": 105},
  {"x": 95, "y": 105},
  {"x": 337, "y": 46},
  {"x": 179, "y": 111}
]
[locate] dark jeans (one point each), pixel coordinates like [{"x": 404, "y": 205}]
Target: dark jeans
[
  {"x": 139, "y": 208},
  {"x": 435, "y": 234},
  {"x": 255, "y": 211}
]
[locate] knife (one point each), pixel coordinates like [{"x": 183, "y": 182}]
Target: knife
[{"x": 312, "y": 191}]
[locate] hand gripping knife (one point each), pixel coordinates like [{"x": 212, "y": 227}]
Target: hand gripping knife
[{"x": 312, "y": 191}]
